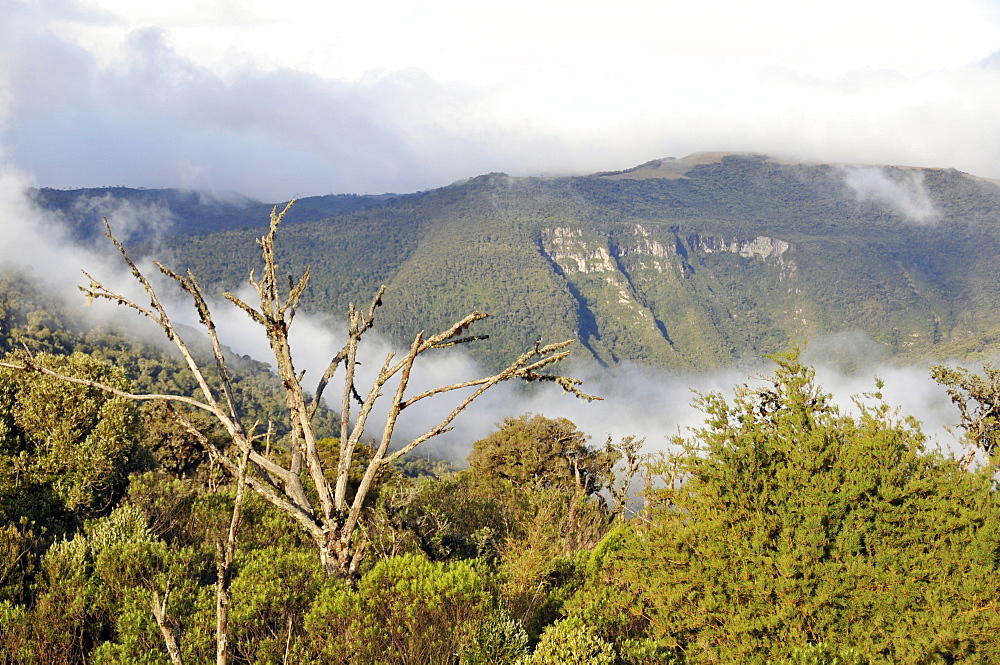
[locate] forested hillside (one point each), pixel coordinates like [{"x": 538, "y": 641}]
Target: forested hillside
[
  {"x": 782, "y": 532},
  {"x": 691, "y": 263},
  {"x": 152, "y": 213}
]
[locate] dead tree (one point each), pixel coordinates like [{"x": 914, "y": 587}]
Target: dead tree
[
  {"x": 333, "y": 518},
  {"x": 978, "y": 400}
]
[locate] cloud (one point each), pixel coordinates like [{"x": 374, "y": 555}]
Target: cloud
[
  {"x": 152, "y": 114},
  {"x": 639, "y": 401},
  {"x": 903, "y": 192},
  {"x": 33, "y": 241},
  {"x": 128, "y": 219},
  {"x": 401, "y": 97}
]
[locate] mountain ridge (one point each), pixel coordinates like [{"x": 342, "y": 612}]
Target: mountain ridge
[{"x": 687, "y": 263}]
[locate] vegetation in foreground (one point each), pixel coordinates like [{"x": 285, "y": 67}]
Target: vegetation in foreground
[{"x": 783, "y": 531}]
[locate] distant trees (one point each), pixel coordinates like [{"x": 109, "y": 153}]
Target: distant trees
[
  {"x": 297, "y": 483},
  {"x": 535, "y": 451}
]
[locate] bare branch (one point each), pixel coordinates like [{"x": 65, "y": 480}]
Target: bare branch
[
  {"x": 97, "y": 290},
  {"x": 169, "y": 629},
  {"x": 295, "y": 294},
  {"x": 224, "y": 567},
  {"x": 463, "y": 340},
  {"x": 524, "y": 367},
  {"x": 158, "y": 314},
  {"x": 254, "y": 314},
  {"x": 300, "y": 512},
  {"x": 31, "y": 366},
  {"x": 342, "y": 355}
]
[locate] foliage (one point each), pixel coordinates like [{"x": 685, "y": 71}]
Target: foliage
[
  {"x": 21, "y": 545},
  {"x": 569, "y": 642},
  {"x": 799, "y": 525},
  {"x": 65, "y": 449},
  {"x": 539, "y": 566},
  {"x": 95, "y": 587},
  {"x": 496, "y": 639},
  {"x": 405, "y": 610},
  {"x": 823, "y": 654},
  {"x": 539, "y": 452},
  {"x": 273, "y": 589},
  {"x": 32, "y": 318}
]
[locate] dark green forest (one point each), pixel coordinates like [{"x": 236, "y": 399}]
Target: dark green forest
[{"x": 238, "y": 518}]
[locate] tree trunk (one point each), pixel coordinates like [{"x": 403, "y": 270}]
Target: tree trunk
[
  {"x": 221, "y": 610},
  {"x": 338, "y": 560},
  {"x": 167, "y": 628}
]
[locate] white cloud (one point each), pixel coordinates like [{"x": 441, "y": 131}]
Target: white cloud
[
  {"x": 905, "y": 193},
  {"x": 476, "y": 42},
  {"x": 274, "y": 100},
  {"x": 298, "y": 98},
  {"x": 637, "y": 401}
]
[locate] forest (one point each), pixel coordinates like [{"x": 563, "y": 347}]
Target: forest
[
  {"x": 169, "y": 501},
  {"x": 689, "y": 264}
]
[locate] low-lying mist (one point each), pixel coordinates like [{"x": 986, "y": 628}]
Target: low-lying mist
[
  {"x": 905, "y": 194},
  {"x": 640, "y": 401}
]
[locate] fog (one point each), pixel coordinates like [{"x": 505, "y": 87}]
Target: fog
[
  {"x": 644, "y": 402},
  {"x": 904, "y": 194}
]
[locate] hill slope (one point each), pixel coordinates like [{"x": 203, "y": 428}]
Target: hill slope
[{"x": 684, "y": 263}]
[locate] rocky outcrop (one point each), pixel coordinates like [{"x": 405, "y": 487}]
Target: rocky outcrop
[
  {"x": 761, "y": 247},
  {"x": 575, "y": 252}
]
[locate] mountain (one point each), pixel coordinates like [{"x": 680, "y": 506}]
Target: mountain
[
  {"x": 687, "y": 263},
  {"x": 152, "y": 213}
]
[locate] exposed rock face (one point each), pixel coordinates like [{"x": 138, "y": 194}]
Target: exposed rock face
[
  {"x": 761, "y": 247},
  {"x": 633, "y": 281},
  {"x": 661, "y": 257},
  {"x": 574, "y": 252}
]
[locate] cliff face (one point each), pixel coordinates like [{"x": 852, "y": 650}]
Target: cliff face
[
  {"x": 573, "y": 251},
  {"x": 760, "y": 247},
  {"x": 666, "y": 297}
]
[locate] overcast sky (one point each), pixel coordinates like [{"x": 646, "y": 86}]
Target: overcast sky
[{"x": 297, "y": 97}]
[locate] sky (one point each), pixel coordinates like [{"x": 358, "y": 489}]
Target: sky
[{"x": 296, "y": 98}]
